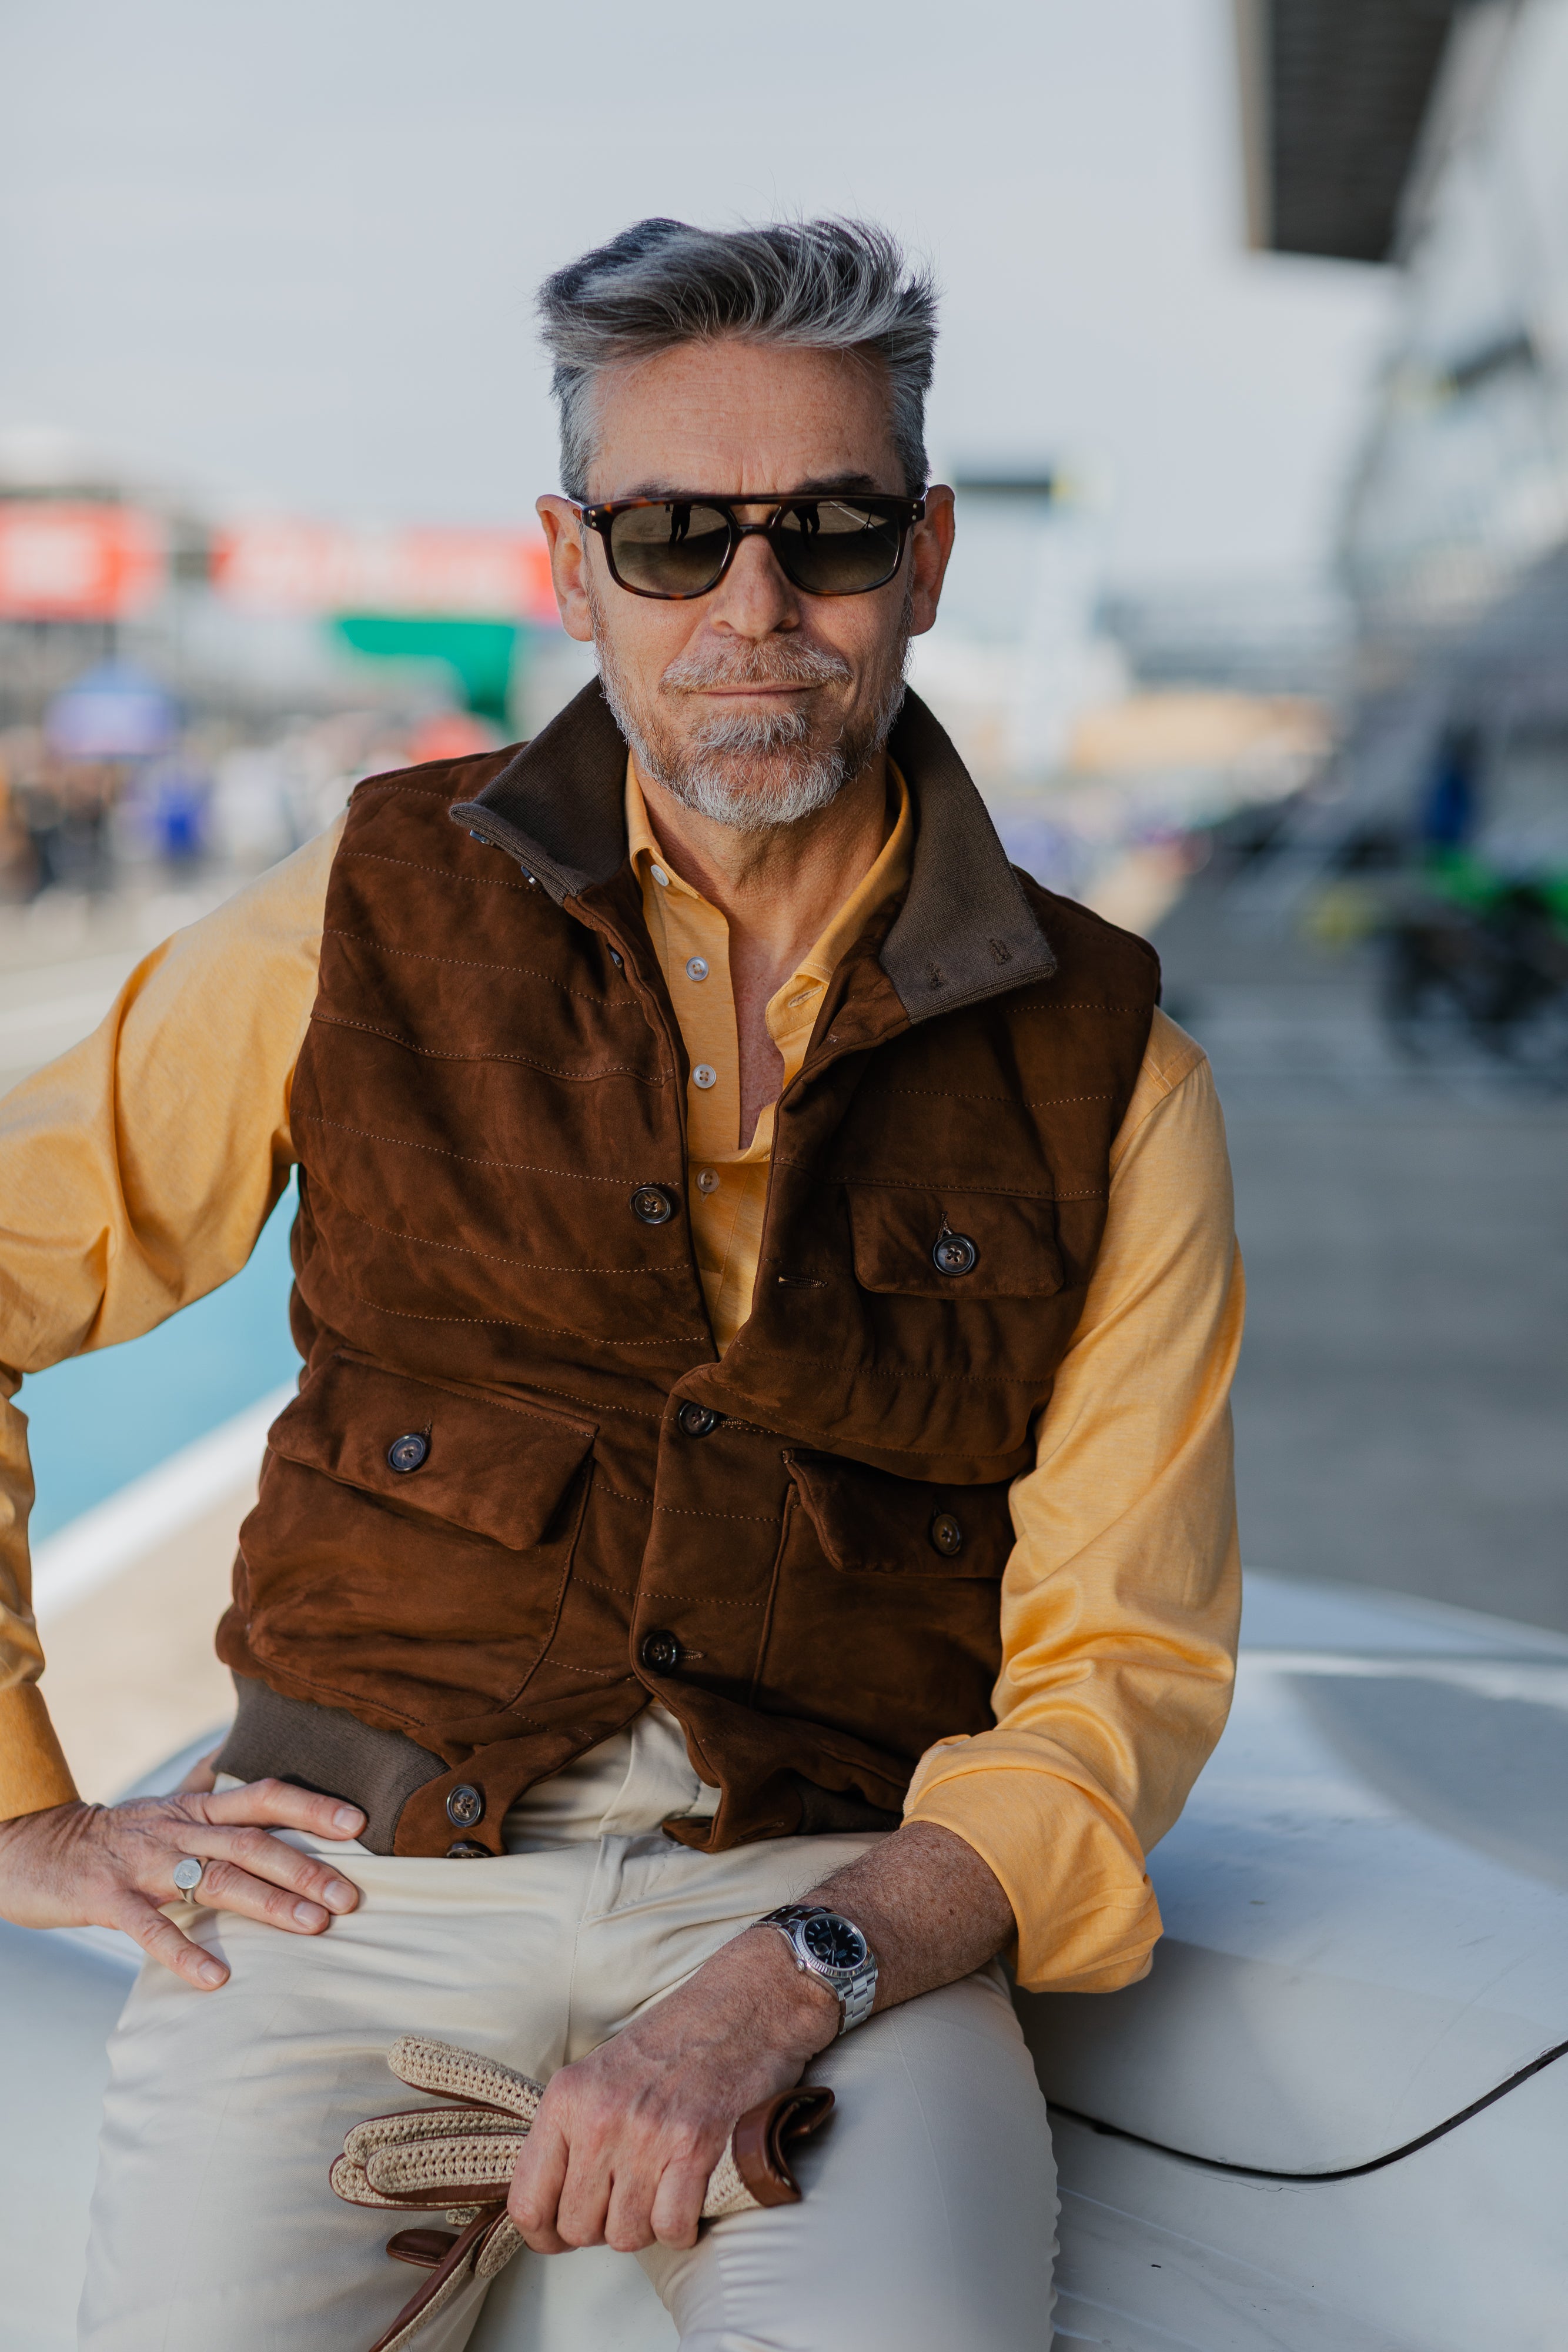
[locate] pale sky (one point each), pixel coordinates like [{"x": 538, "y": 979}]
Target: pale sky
[{"x": 287, "y": 253}]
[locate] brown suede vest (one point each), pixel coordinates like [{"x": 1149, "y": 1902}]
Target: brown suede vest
[{"x": 520, "y": 1492}]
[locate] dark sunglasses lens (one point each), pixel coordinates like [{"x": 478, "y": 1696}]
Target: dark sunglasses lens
[
  {"x": 831, "y": 547},
  {"x": 669, "y": 549}
]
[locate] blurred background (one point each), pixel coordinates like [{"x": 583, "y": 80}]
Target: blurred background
[{"x": 1254, "y": 385}]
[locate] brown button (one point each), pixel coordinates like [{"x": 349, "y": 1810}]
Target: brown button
[
  {"x": 464, "y": 1805},
  {"x": 947, "y": 1535},
  {"x": 652, "y": 1204},
  {"x": 466, "y": 1851},
  {"x": 954, "y": 1253},
  {"x": 406, "y": 1454},
  {"x": 696, "y": 1420},
  {"x": 660, "y": 1651}
]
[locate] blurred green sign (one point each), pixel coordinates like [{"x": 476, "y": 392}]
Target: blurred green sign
[{"x": 480, "y": 653}]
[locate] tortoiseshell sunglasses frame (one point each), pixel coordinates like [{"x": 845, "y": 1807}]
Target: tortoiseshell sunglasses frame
[{"x": 905, "y": 512}]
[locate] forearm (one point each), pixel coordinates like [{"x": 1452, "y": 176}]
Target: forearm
[{"x": 931, "y": 1910}]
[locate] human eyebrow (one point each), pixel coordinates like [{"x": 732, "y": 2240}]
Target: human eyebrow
[
  {"x": 822, "y": 485},
  {"x": 827, "y": 485}
]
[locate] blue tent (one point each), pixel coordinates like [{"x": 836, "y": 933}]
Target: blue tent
[{"x": 113, "y": 713}]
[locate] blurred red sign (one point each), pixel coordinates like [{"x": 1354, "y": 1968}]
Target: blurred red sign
[
  {"x": 303, "y": 567},
  {"x": 69, "y": 562}
]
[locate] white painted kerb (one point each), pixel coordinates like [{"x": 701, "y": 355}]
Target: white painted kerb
[{"x": 110, "y": 1537}]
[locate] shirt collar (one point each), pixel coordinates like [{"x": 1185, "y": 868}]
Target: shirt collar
[{"x": 887, "y": 875}]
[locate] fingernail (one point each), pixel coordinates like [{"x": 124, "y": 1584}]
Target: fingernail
[
  {"x": 310, "y": 1914},
  {"x": 210, "y": 1973},
  {"x": 339, "y": 1894},
  {"x": 348, "y": 1817}
]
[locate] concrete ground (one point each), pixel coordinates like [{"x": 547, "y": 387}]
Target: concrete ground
[{"x": 1402, "y": 1411}]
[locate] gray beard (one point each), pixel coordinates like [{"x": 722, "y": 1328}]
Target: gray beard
[{"x": 753, "y": 772}]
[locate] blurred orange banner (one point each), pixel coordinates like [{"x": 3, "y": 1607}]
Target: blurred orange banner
[
  {"x": 305, "y": 567},
  {"x": 70, "y": 562}
]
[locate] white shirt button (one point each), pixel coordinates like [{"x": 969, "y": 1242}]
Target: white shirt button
[
  {"x": 696, "y": 968},
  {"x": 660, "y": 877},
  {"x": 705, "y": 1076},
  {"x": 707, "y": 1179}
]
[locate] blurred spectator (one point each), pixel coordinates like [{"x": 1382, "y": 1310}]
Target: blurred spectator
[
  {"x": 1448, "y": 809},
  {"x": 177, "y": 792},
  {"x": 62, "y": 810},
  {"x": 16, "y": 859}
]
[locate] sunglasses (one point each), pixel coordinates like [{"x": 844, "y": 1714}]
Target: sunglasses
[{"x": 677, "y": 547}]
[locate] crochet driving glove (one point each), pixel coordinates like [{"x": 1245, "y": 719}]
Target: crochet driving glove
[{"x": 461, "y": 2158}]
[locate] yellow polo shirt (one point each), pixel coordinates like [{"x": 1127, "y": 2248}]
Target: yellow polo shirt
[
  {"x": 137, "y": 1170},
  {"x": 727, "y": 1186}
]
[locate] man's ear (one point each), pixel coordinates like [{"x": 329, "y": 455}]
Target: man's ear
[
  {"x": 564, "y": 536},
  {"x": 931, "y": 544}
]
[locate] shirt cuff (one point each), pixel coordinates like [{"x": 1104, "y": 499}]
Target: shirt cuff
[
  {"x": 1087, "y": 1917},
  {"x": 34, "y": 1773}
]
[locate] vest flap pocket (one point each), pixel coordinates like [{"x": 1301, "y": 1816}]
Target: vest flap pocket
[
  {"x": 954, "y": 1244},
  {"x": 869, "y": 1521},
  {"x": 496, "y": 1469}
]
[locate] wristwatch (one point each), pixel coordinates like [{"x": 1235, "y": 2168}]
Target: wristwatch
[{"x": 833, "y": 1950}]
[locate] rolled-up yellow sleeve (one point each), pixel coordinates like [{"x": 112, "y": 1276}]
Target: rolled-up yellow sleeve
[
  {"x": 1121, "y": 1602},
  {"x": 136, "y": 1173}
]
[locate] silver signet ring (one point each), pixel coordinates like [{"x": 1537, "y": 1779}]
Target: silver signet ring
[{"x": 188, "y": 1875}]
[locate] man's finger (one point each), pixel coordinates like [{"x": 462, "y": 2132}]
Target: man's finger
[
  {"x": 627, "y": 2225},
  {"x": 537, "y": 2185},
  {"x": 281, "y": 1805},
  {"x": 161, "y": 1941},
  {"x": 252, "y": 1851},
  {"x": 225, "y": 1886},
  {"x": 678, "y": 2204},
  {"x": 583, "y": 2204}
]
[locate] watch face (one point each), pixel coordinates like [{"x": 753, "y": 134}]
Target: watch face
[{"x": 833, "y": 1942}]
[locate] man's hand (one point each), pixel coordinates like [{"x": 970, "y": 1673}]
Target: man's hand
[
  {"x": 625, "y": 2139},
  {"x": 113, "y": 1865}
]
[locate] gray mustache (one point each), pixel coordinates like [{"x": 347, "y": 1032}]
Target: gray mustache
[{"x": 764, "y": 665}]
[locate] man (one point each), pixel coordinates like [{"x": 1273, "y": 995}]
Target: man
[{"x": 766, "y": 1290}]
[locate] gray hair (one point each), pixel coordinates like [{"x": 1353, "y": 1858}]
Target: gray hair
[{"x": 822, "y": 285}]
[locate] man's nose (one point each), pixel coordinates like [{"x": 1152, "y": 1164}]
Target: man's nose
[{"x": 754, "y": 599}]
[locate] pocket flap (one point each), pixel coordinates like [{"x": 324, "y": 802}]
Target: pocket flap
[
  {"x": 1007, "y": 1242},
  {"x": 496, "y": 1469},
  {"x": 867, "y": 1520}
]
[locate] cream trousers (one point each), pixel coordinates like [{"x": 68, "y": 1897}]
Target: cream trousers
[{"x": 927, "y": 2223}]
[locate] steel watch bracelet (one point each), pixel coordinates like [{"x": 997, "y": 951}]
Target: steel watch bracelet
[{"x": 855, "y": 1998}]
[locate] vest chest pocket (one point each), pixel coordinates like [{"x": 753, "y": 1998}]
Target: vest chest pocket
[
  {"x": 954, "y": 1244},
  {"x": 869, "y": 1523},
  {"x": 476, "y": 1462}
]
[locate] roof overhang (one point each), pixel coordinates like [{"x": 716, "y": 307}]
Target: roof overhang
[{"x": 1335, "y": 95}]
